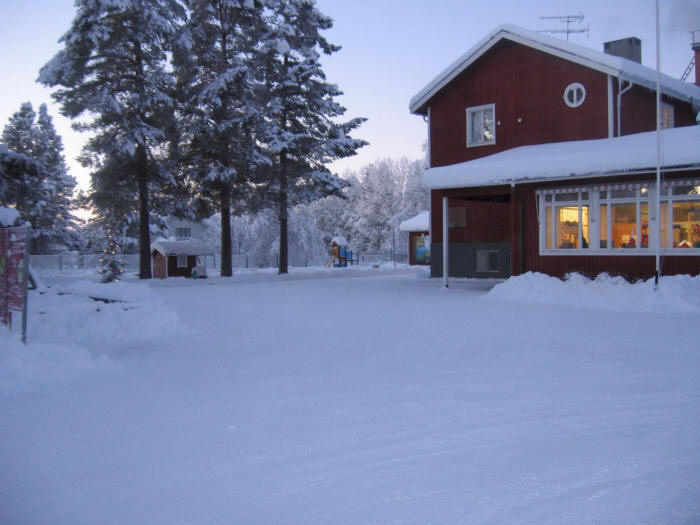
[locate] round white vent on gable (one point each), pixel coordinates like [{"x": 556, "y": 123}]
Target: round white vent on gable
[{"x": 574, "y": 94}]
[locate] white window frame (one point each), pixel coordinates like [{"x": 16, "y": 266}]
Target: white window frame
[
  {"x": 594, "y": 202},
  {"x": 183, "y": 232},
  {"x": 668, "y": 198},
  {"x": 181, "y": 261},
  {"x": 471, "y": 142},
  {"x": 573, "y": 88}
]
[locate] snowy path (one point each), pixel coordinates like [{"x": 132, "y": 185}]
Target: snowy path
[{"x": 377, "y": 399}]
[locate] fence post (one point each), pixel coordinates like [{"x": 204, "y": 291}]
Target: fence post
[{"x": 25, "y": 278}]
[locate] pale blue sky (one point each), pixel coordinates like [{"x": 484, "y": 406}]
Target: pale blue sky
[{"x": 390, "y": 50}]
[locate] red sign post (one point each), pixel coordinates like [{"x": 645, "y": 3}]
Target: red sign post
[{"x": 13, "y": 274}]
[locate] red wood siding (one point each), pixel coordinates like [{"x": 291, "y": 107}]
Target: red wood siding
[
  {"x": 524, "y": 84},
  {"x": 159, "y": 266},
  {"x": 629, "y": 266},
  {"x": 501, "y": 222},
  {"x": 485, "y": 221},
  {"x": 527, "y": 87},
  {"x": 174, "y": 271},
  {"x": 167, "y": 266},
  {"x": 639, "y": 111}
]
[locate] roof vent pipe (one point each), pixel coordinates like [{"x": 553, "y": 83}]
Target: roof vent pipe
[{"x": 629, "y": 48}]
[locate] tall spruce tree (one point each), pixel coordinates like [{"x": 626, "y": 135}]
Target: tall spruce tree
[
  {"x": 301, "y": 134},
  {"x": 217, "y": 64},
  {"x": 113, "y": 73},
  {"x": 42, "y": 196}
]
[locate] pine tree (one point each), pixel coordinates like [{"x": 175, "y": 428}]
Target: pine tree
[
  {"x": 217, "y": 62},
  {"x": 113, "y": 72},
  {"x": 43, "y": 197},
  {"x": 301, "y": 135},
  {"x": 111, "y": 265},
  {"x": 15, "y": 167}
]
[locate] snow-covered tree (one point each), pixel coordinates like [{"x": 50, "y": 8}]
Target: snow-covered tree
[
  {"x": 379, "y": 197},
  {"x": 217, "y": 58},
  {"x": 15, "y": 167},
  {"x": 113, "y": 72},
  {"x": 42, "y": 196},
  {"x": 301, "y": 134},
  {"x": 111, "y": 264}
]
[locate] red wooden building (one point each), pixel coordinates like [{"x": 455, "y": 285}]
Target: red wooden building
[
  {"x": 179, "y": 258},
  {"x": 418, "y": 229},
  {"x": 542, "y": 158}
]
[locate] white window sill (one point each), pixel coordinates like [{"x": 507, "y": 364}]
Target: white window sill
[{"x": 622, "y": 251}]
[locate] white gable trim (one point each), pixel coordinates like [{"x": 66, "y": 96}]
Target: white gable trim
[{"x": 607, "y": 64}]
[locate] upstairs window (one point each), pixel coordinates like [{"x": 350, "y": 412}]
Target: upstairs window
[
  {"x": 667, "y": 120},
  {"x": 481, "y": 125},
  {"x": 183, "y": 233},
  {"x": 574, "y": 94}
]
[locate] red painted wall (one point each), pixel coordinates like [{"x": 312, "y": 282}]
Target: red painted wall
[
  {"x": 159, "y": 265},
  {"x": 639, "y": 110},
  {"x": 501, "y": 222},
  {"x": 524, "y": 84},
  {"x": 527, "y": 87}
]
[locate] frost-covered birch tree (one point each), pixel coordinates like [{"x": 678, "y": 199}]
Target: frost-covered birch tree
[
  {"x": 112, "y": 72},
  {"x": 42, "y": 196},
  {"x": 301, "y": 134},
  {"x": 217, "y": 59}
]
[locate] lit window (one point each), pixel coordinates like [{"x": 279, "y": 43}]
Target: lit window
[
  {"x": 617, "y": 220},
  {"x": 685, "y": 220},
  {"x": 574, "y": 95},
  {"x": 667, "y": 120},
  {"x": 481, "y": 128}
]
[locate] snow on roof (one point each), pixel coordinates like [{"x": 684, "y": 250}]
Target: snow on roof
[
  {"x": 612, "y": 65},
  {"x": 419, "y": 223},
  {"x": 339, "y": 240},
  {"x": 577, "y": 159},
  {"x": 8, "y": 216},
  {"x": 189, "y": 247}
]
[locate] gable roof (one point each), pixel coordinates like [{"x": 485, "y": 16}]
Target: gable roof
[
  {"x": 615, "y": 66},
  {"x": 581, "y": 159}
]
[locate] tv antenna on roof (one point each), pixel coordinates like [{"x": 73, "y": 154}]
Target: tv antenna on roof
[{"x": 568, "y": 20}]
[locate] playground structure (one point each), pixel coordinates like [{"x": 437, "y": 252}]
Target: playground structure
[{"x": 340, "y": 255}]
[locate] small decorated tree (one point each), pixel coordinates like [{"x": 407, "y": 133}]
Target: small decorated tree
[{"x": 111, "y": 264}]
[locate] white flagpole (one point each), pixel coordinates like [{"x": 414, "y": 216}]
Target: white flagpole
[{"x": 657, "y": 271}]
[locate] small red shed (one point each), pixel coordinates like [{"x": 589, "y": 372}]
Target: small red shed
[
  {"x": 418, "y": 229},
  {"x": 179, "y": 258}
]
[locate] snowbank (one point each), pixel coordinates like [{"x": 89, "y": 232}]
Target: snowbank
[
  {"x": 94, "y": 314},
  {"x": 676, "y": 294},
  {"x": 80, "y": 326},
  {"x": 43, "y": 365}
]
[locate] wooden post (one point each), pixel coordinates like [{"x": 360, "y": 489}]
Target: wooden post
[
  {"x": 25, "y": 275},
  {"x": 445, "y": 242}
]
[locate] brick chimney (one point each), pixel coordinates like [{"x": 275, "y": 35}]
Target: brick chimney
[{"x": 630, "y": 48}]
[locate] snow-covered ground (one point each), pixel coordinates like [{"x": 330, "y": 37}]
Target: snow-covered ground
[{"x": 353, "y": 397}]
